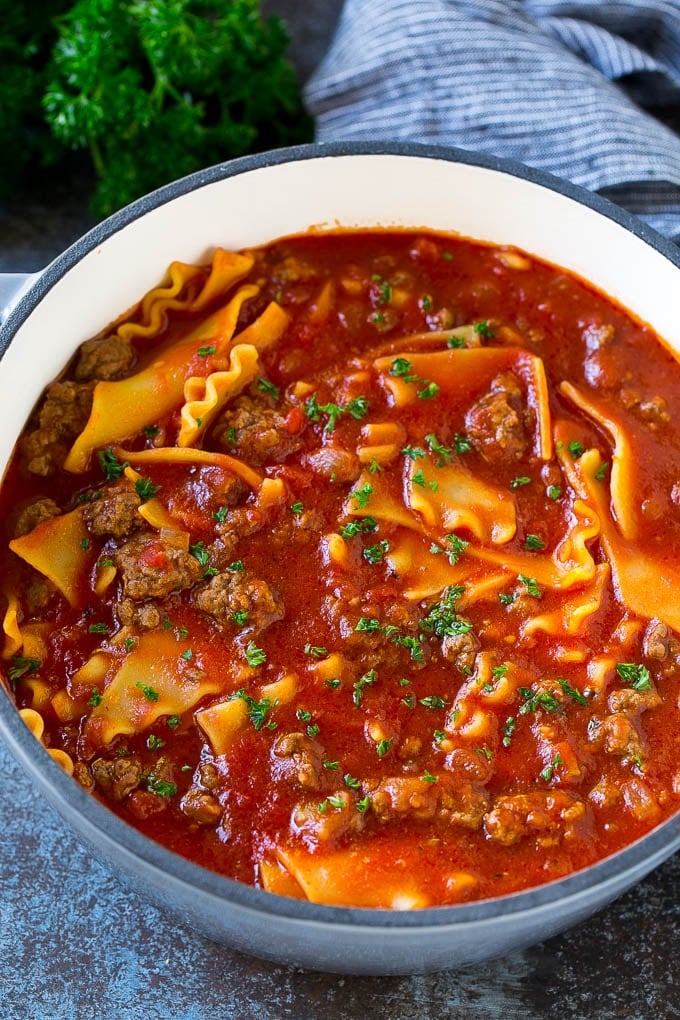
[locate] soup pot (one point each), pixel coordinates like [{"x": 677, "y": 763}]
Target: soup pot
[{"x": 249, "y": 202}]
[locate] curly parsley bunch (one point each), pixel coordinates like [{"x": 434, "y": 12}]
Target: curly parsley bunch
[{"x": 155, "y": 89}]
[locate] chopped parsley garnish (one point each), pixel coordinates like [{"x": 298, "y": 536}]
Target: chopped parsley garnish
[
  {"x": 96, "y": 698},
  {"x": 204, "y": 352},
  {"x": 433, "y": 701},
  {"x": 151, "y": 431},
  {"x": 531, "y": 585},
  {"x": 255, "y": 656},
  {"x": 296, "y": 508},
  {"x": 174, "y": 721},
  {"x": 554, "y": 492},
  {"x": 601, "y": 472},
  {"x": 414, "y": 452},
  {"x": 367, "y": 624},
  {"x": 236, "y": 567},
  {"x": 426, "y": 303},
  {"x": 362, "y": 496},
  {"x": 506, "y": 598},
  {"x": 575, "y": 695},
  {"x": 533, "y": 700},
  {"x": 239, "y": 617},
  {"x": 84, "y": 543},
  {"x": 315, "y": 651},
  {"x": 418, "y": 478},
  {"x": 484, "y": 329},
  {"x": 508, "y": 730},
  {"x": 145, "y": 489},
  {"x": 576, "y": 449},
  {"x": 443, "y": 453},
  {"x": 383, "y": 291},
  {"x": 442, "y": 619},
  {"x": 366, "y": 680},
  {"x": 374, "y": 553},
  {"x": 519, "y": 481},
  {"x": 221, "y": 514},
  {"x": 111, "y": 466},
  {"x": 484, "y": 752},
  {"x": 461, "y": 443},
  {"x": 363, "y": 805},
  {"x": 303, "y": 714},
  {"x": 383, "y": 747},
  {"x": 200, "y": 553},
  {"x": 548, "y": 771},
  {"x": 332, "y": 766},
  {"x": 333, "y": 684},
  {"x": 149, "y": 693},
  {"x": 634, "y": 674},
  {"x": 402, "y": 368},
  {"x": 264, "y": 386},
  {"x": 356, "y": 408},
  {"x": 351, "y": 781},
  {"x": 257, "y": 710},
  {"x": 456, "y": 547},
  {"x": 439, "y": 736},
  {"x": 429, "y": 391},
  {"x": 409, "y": 700},
  {"x": 154, "y": 743},
  {"x": 455, "y": 342},
  {"x": 533, "y": 542},
  {"x": 313, "y": 730},
  {"x": 97, "y": 628},
  {"x": 427, "y": 777},
  {"x": 374, "y": 467},
  {"x": 160, "y": 786},
  {"x": 412, "y": 643},
  {"x": 364, "y": 526},
  {"x": 187, "y": 655},
  {"x": 336, "y": 801},
  {"x": 498, "y": 672}
]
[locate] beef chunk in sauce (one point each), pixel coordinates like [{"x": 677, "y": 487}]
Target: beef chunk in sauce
[
  {"x": 451, "y": 800},
  {"x": 201, "y": 807},
  {"x": 298, "y": 756},
  {"x": 233, "y": 592},
  {"x": 34, "y": 514},
  {"x": 108, "y": 357},
  {"x": 117, "y": 777},
  {"x": 328, "y": 826},
  {"x": 114, "y": 513},
  {"x": 546, "y": 816},
  {"x": 146, "y": 616},
  {"x": 62, "y": 417},
  {"x": 152, "y": 568},
  {"x": 495, "y": 423},
  {"x": 256, "y": 433}
]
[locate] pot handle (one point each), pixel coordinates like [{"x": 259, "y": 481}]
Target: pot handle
[{"x": 12, "y": 286}]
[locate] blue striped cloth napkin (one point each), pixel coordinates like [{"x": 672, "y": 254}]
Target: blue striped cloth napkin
[{"x": 563, "y": 86}]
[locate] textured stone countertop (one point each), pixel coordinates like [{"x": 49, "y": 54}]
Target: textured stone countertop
[{"x": 75, "y": 944}]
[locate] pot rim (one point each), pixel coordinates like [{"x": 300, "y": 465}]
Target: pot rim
[{"x": 68, "y": 796}]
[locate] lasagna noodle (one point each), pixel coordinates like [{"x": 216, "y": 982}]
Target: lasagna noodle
[
  {"x": 622, "y": 481},
  {"x": 154, "y": 665},
  {"x": 460, "y": 500},
  {"x": 123, "y": 408},
  {"x": 59, "y": 549},
  {"x": 204, "y": 397},
  {"x": 227, "y": 269},
  {"x": 461, "y": 372},
  {"x": 646, "y": 585}
]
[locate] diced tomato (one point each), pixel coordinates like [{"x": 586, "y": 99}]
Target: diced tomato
[{"x": 295, "y": 421}]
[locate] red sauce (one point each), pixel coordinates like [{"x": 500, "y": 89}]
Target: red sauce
[{"x": 463, "y": 750}]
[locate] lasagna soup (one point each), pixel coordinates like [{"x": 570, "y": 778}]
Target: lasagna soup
[{"x": 348, "y": 567}]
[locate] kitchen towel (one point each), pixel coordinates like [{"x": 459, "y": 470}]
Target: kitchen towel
[{"x": 563, "y": 86}]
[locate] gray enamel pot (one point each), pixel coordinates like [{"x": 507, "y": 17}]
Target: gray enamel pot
[{"x": 248, "y": 202}]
